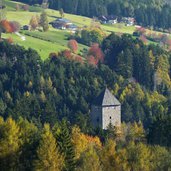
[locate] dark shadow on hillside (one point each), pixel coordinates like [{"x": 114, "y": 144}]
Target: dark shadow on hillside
[{"x": 54, "y": 17}]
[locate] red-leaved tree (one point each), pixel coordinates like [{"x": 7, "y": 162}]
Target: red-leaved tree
[
  {"x": 91, "y": 60},
  {"x": 143, "y": 39},
  {"x": 96, "y": 52},
  {"x": 5, "y": 26},
  {"x": 73, "y": 45},
  {"x": 79, "y": 59},
  {"x": 67, "y": 53},
  {"x": 141, "y": 30},
  {"x": 15, "y": 26}
]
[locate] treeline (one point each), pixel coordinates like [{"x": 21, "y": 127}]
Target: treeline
[
  {"x": 146, "y": 12},
  {"x": 24, "y": 146},
  {"x": 131, "y": 58}
]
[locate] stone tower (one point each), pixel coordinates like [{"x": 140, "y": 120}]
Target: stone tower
[{"x": 106, "y": 109}]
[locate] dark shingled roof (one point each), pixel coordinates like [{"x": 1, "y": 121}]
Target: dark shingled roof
[{"x": 106, "y": 98}]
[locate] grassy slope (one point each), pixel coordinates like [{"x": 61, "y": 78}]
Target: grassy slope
[
  {"x": 41, "y": 46},
  {"x": 44, "y": 42}
]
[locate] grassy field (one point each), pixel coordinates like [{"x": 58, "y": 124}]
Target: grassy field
[
  {"x": 43, "y": 42},
  {"x": 41, "y": 46}
]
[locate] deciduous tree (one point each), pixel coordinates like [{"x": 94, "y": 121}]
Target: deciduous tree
[
  {"x": 48, "y": 155},
  {"x": 73, "y": 45},
  {"x": 44, "y": 21}
]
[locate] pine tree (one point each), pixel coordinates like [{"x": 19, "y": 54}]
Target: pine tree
[
  {"x": 49, "y": 158},
  {"x": 66, "y": 147}
]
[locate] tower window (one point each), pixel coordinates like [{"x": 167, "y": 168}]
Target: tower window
[
  {"x": 98, "y": 120},
  {"x": 110, "y": 117}
]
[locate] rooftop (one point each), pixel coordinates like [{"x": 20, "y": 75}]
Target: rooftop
[{"x": 106, "y": 98}]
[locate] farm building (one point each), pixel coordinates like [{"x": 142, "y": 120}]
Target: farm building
[{"x": 63, "y": 24}]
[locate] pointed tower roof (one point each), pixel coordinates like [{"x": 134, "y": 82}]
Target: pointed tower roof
[{"x": 106, "y": 98}]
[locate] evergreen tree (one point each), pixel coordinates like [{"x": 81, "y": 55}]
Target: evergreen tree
[{"x": 66, "y": 146}]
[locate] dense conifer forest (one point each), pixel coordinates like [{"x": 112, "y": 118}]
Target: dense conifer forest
[{"x": 45, "y": 105}]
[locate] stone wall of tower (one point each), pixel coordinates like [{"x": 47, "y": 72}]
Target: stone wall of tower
[
  {"x": 111, "y": 114},
  {"x": 96, "y": 116}
]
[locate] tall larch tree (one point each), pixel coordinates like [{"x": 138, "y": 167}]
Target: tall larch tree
[
  {"x": 49, "y": 158},
  {"x": 9, "y": 145},
  {"x": 29, "y": 140}
]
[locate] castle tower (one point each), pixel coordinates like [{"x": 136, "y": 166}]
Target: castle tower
[{"x": 106, "y": 109}]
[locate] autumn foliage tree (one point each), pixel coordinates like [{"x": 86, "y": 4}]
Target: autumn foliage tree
[
  {"x": 10, "y": 40},
  {"x": 95, "y": 54},
  {"x": 67, "y": 53},
  {"x": 25, "y": 7},
  {"x": 9, "y": 26},
  {"x": 17, "y": 7},
  {"x": 34, "y": 22},
  {"x": 73, "y": 45},
  {"x": 6, "y": 26},
  {"x": 9, "y": 144},
  {"x": 143, "y": 39},
  {"x": 44, "y": 21},
  {"x": 48, "y": 155},
  {"x": 79, "y": 59},
  {"x": 15, "y": 26},
  {"x": 81, "y": 141}
]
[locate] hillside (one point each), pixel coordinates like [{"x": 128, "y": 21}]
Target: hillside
[
  {"x": 83, "y": 94},
  {"x": 45, "y": 110},
  {"x": 151, "y": 13},
  {"x": 54, "y": 40}
]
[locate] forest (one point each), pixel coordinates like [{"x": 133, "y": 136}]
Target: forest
[
  {"x": 45, "y": 108},
  {"x": 148, "y": 13}
]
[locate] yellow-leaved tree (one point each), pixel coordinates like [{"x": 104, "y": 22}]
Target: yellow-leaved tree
[{"x": 49, "y": 158}]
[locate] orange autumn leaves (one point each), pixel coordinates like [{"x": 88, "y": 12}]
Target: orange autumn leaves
[
  {"x": 5, "y": 25},
  {"x": 73, "y": 45},
  {"x": 9, "y": 26},
  {"x": 95, "y": 54},
  {"x": 82, "y": 141}
]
